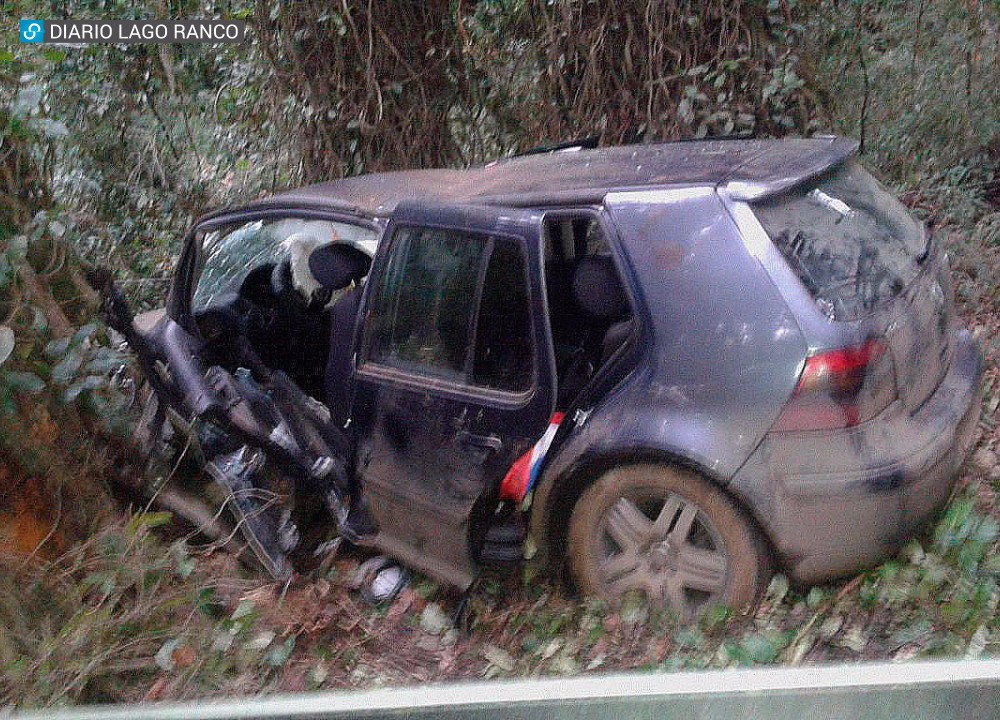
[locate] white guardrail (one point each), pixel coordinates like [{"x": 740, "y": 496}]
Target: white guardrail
[{"x": 940, "y": 690}]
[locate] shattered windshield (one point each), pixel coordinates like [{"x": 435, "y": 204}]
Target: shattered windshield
[
  {"x": 228, "y": 255},
  {"x": 851, "y": 243}
]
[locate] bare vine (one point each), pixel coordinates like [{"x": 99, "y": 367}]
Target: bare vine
[{"x": 375, "y": 86}]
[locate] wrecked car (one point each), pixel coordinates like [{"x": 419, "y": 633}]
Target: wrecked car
[{"x": 678, "y": 366}]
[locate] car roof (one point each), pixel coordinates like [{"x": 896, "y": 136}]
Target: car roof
[{"x": 754, "y": 167}]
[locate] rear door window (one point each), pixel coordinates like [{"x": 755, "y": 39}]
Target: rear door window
[{"x": 852, "y": 244}]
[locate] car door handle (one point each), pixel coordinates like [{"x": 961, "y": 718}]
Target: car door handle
[{"x": 487, "y": 442}]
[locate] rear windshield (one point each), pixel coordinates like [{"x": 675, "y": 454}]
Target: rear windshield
[{"x": 852, "y": 244}]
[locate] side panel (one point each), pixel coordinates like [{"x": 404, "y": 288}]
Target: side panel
[{"x": 722, "y": 354}]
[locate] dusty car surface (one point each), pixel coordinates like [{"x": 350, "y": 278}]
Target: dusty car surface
[{"x": 681, "y": 365}]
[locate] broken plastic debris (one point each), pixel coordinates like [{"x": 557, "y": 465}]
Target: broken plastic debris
[
  {"x": 380, "y": 579},
  {"x": 387, "y": 583},
  {"x": 831, "y": 202}
]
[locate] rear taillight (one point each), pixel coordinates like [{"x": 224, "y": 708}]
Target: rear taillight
[{"x": 841, "y": 388}]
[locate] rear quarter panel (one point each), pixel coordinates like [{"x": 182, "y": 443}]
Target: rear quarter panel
[{"x": 720, "y": 356}]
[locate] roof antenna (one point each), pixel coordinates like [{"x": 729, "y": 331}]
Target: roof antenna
[{"x": 586, "y": 143}]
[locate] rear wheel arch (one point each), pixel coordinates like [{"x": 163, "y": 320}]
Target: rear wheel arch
[{"x": 551, "y": 516}]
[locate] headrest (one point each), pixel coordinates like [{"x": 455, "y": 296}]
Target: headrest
[
  {"x": 337, "y": 265},
  {"x": 597, "y": 288}
]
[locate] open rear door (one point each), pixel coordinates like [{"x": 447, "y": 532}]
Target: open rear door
[{"x": 455, "y": 377}]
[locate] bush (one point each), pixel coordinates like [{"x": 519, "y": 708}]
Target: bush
[{"x": 62, "y": 415}]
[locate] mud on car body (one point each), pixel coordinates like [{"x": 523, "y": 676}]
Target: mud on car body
[{"x": 739, "y": 355}]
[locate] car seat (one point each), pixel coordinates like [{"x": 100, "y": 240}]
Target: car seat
[
  {"x": 598, "y": 291},
  {"x": 336, "y": 267}
]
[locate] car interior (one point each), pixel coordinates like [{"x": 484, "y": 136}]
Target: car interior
[
  {"x": 295, "y": 311},
  {"x": 589, "y": 310}
]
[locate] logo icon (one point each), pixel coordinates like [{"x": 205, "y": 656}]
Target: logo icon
[{"x": 32, "y": 31}]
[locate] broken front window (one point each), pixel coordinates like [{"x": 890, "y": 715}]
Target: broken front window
[
  {"x": 455, "y": 306},
  {"x": 228, "y": 255},
  {"x": 852, "y": 244}
]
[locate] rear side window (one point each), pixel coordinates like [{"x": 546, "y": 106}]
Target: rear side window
[
  {"x": 455, "y": 306},
  {"x": 852, "y": 244}
]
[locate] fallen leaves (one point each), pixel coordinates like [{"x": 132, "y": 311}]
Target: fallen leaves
[
  {"x": 500, "y": 661},
  {"x": 433, "y": 620},
  {"x": 175, "y": 655}
]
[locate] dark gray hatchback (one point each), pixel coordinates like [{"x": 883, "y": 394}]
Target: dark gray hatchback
[{"x": 682, "y": 364}]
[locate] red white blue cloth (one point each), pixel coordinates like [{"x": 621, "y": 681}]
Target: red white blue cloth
[{"x": 524, "y": 472}]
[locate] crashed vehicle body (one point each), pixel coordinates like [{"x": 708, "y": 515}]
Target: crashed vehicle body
[{"x": 745, "y": 354}]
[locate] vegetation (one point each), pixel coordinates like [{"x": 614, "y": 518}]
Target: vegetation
[{"x": 109, "y": 152}]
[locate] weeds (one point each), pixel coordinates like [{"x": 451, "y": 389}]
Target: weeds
[
  {"x": 76, "y": 628},
  {"x": 124, "y": 616}
]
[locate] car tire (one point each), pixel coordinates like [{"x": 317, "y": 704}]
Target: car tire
[{"x": 669, "y": 534}]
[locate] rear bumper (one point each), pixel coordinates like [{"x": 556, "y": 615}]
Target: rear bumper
[{"x": 835, "y": 502}]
